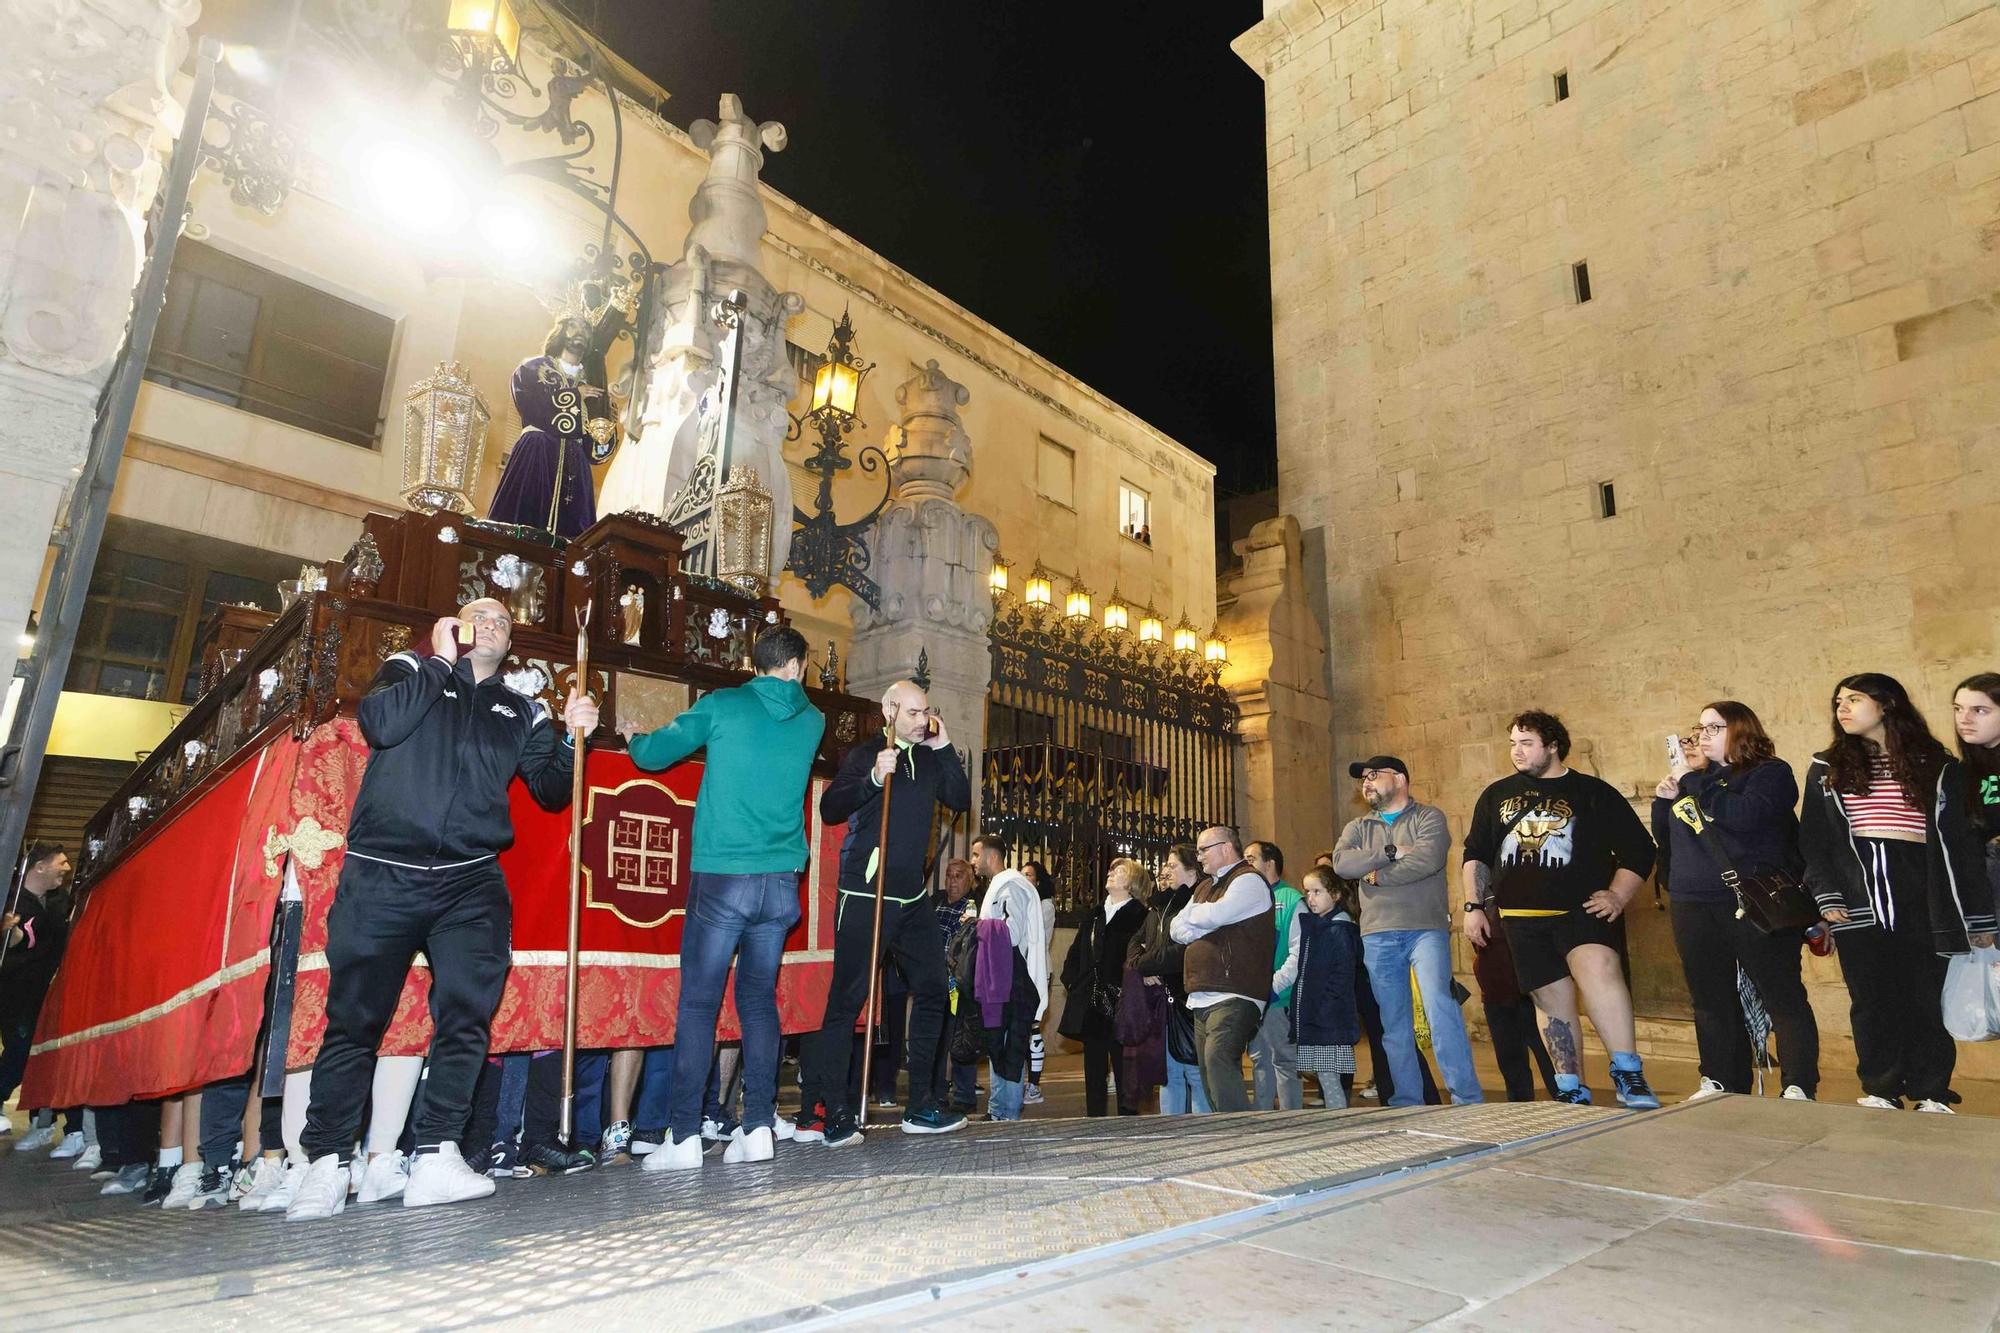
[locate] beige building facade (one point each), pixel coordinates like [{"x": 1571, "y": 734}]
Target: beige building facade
[
  {"x": 225, "y": 462},
  {"x": 1631, "y": 356}
]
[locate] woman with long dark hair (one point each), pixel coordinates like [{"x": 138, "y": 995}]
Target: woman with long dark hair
[
  {"x": 1735, "y": 785},
  {"x": 1968, "y": 815},
  {"x": 1866, "y": 830}
]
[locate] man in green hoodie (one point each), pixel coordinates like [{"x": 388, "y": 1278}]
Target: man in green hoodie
[{"x": 743, "y": 895}]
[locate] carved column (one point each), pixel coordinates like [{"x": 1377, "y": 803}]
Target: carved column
[
  {"x": 1276, "y": 674},
  {"x": 931, "y": 560},
  {"x": 85, "y": 120}
]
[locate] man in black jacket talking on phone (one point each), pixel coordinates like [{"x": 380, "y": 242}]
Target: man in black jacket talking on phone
[{"x": 913, "y": 755}]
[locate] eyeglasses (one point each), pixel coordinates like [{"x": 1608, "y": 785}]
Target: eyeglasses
[
  {"x": 1711, "y": 728},
  {"x": 1210, "y": 846}
]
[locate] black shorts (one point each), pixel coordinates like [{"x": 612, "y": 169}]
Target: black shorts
[{"x": 1541, "y": 944}]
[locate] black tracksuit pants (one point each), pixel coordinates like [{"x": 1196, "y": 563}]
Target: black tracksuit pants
[
  {"x": 910, "y": 937},
  {"x": 1712, "y": 942},
  {"x": 462, "y": 919}
]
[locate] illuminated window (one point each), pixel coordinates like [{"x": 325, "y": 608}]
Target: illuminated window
[{"x": 1135, "y": 513}]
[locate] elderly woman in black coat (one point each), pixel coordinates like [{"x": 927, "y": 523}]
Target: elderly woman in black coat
[{"x": 1092, "y": 978}]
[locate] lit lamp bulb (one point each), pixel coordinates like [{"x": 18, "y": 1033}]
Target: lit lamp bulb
[
  {"x": 1117, "y": 615},
  {"x": 1077, "y": 605},
  {"x": 1037, "y": 591},
  {"x": 836, "y": 387},
  {"x": 1150, "y": 628},
  {"x": 996, "y": 582},
  {"x": 1186, "y": 641},
  {"x": 1214, "y": 652}
]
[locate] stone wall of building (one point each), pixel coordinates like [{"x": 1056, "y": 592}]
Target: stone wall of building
[{"x": 1788, "y": 369}]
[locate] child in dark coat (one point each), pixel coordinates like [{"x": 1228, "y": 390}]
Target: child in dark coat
[{"x": 1326, "y": 945}]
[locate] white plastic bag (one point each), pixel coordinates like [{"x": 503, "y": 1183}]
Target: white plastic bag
[{"x": 1972, "y": 995}]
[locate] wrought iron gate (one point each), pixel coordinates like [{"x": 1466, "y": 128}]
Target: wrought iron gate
[{"x": 1101, "y": 744}]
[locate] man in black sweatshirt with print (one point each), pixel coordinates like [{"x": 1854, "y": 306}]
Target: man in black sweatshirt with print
[
  {"x": 446, "y": 735},
  {"x": 914, "y": 755}
]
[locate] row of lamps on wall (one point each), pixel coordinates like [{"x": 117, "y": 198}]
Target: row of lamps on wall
[{"x": 1038, "y": 596}]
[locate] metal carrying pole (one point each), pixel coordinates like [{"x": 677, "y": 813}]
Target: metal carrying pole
[
  {"x": 568, "y": 1122},
  {"x": 90, "y": 501},
  {"x": 875, "y": 943}
]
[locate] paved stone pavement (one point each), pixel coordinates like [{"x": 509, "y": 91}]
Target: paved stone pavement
[{"x": 816, "y": 1234}]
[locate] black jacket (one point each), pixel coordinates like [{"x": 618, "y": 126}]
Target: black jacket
[
  {"x": 1954, "y": 892},
  {"x": 925, "y": 779},
  {"x": 1097, "y": 958},
  {"x": 1324, "y": 1010},
  {"x": 31, "y": 961},
  {"x": 443, "y": 751},
  {"x": 1752, "y": 813},
  {"x": 1153, "y": 952}
]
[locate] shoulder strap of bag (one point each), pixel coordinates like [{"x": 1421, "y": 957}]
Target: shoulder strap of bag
[{"x": 1709, "y": 836}]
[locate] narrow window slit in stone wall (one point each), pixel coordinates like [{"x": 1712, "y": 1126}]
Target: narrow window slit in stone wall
[
  {"x": 1607, "y": 500},
  {"x": 1562, "y": 85},
  {"x": 1580, "y": 274}
]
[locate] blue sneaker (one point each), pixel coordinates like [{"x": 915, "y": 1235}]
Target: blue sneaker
[
  {"x": 1578, "y": 1096},
  {"x": 931, "y": 1120},
  {"x": 1633, "y": 1090}
]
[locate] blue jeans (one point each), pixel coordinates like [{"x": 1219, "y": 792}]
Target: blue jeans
[
  {"x": 744, "y": 918},
  {"x": 656, "y": 1089},
  {"x": 1392, "y": 955},
  {"x": 1183, "y": 1093},
  {"x": 1004, "y": 1102}
]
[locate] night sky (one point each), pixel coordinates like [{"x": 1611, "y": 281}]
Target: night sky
[{"x": 1087, "y": 177}]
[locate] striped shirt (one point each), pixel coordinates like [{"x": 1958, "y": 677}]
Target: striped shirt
[{"x": 1883, "y": 811}]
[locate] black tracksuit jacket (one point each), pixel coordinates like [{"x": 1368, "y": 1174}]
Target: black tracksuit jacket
[
  {"x": 925, "y": 778},
  {"x": 442, "y": 753}
]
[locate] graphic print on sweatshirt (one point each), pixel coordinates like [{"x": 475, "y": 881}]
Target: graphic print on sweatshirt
[{"x": 1544, "y": 836}]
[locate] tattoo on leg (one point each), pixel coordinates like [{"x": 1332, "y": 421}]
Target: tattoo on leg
[{"x": 1561, "y": 1040}]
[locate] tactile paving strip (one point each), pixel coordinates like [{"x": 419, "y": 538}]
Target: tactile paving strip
[{"x": 814, "y": 1231}]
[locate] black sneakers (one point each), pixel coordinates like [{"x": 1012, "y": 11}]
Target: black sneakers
[
  {"x": 841, "y": 1130},
  {"x": 930, "y": 1120},
  {"x": 158, "y": 1184},
  {"x": 552, "y": 1159},
  {"x": 810, "y": 1127}
]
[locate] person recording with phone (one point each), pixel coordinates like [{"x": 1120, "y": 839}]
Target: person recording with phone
[
  {"x": 912, "y": 767},
  {"x": 1738, "y": 791}
]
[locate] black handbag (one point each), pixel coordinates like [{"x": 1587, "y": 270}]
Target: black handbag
[
  {"x": 1773, "y": 902},
  {"x": 1180, "y": 1034}
]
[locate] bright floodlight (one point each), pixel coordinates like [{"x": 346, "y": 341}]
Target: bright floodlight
[
  {"x": 414, "y": 188},
  {"x": 509, "y": 230}
]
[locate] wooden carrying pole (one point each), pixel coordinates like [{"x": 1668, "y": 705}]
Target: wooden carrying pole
[
  {"x": 875, "y": 950},
  {"x": 568, "y": 1122}
]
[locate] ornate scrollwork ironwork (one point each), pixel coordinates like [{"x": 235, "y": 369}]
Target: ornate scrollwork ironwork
[{"x": 257, "y": 157}]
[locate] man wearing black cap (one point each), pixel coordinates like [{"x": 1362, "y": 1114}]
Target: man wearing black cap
[{"x": 1396, "y": 853}]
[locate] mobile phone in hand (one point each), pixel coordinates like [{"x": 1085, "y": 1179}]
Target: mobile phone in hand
[
  {"x": 932, "y": 727},
  {"x": 1675, "y": 757}
]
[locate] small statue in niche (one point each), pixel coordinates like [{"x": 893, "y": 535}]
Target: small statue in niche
[
  {"x": 632, "y": 612},
  {"x": 563, "y": 410}
]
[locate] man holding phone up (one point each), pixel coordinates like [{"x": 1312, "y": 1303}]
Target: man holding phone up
[{"x": 914, "y": 755}]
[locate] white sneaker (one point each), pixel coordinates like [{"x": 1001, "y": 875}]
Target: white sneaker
[
  {"x": 1031, "y": 1095},
  {"x": 71, "y": 1146},
  {"x": 443, "y": 1177},
  {"x": 615, "y": 1141},
  {"x": 321, "y": 1191},
  {"x": 1368, "y": 1091},
  {"x": 258, "y": 1180},
  {"x": 1794, "y": 1093},
  {"x": 714, "y": 1130},
  {"x": 187, "y": 1184},
  {"x": 281, "y": 1194},
  {"x": 754, "y": 1146},
  {"x": 1709, "y": 1088},
  {"x": 36, "y": 1139},
  {"x": 89, "y": 1159},
  {"x": 1875, "y": 1103},
  {"x": 1935, "y": 1108},
  {"x": 386, "y": 1175},
  {"x": 675, "y": 1155},
  {"x": 783, "y": 1129}
]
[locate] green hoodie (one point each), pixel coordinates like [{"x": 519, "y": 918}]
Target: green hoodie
[{"x": 749, "y": 818}]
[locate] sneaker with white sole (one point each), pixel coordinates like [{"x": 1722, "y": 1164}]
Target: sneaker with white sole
[
  {"x": 280, "y": 1197},
  {"x": 259, "y": 1179},
  {"x": 749, "y": 1146},
  {"x": 187, "y": 1184},
  {"x": 321, "y": 1191},
  {"x": 441, "y": 1176},
  {"x": 89, "y": 1159},
  {"x": 645, "y": 1141},
  {"x": 675, "y": 1155},
  {"x": 841, "y": 1131},
  {"x": 1794, "y": 1093},
  {"x": 1709, "y": 1088},
  {"x": 1874, "y": 1103},
  {"x": 70, "y": 1145},
  {"x": 718, "y": 1131},
  {"x": 616, "y": 1141},
  {"x": 1935, "y": 1107},
  {"x": 1032, "y": 1095},
  {"x": 212, "y": 1191},
  {"x": 782, "y": 1129},
  {"x": 36, "y": 1139},
  {"x": 384, "y": 1177},
  {"x": 129, "y": 1180}
]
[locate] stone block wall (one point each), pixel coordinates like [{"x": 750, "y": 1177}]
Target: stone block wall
[{"x": 1788, "y": 370}]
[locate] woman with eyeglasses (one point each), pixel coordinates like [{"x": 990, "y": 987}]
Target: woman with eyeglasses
[
  {"x": 1969, "y": 804},
  {"x": 1867, "y": 829},
  {"x": 1732, "y": 780}
]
